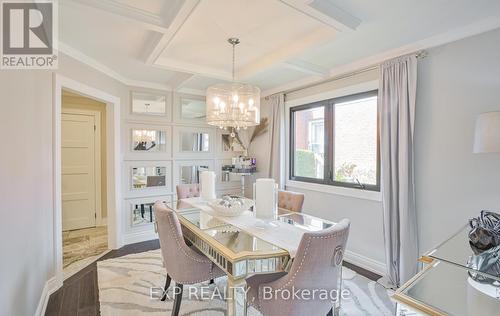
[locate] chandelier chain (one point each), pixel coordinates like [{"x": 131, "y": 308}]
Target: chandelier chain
[{"x": 234, "y": 45}]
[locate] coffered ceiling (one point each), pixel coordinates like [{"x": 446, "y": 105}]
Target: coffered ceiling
[{"x": 182, "y": 44}]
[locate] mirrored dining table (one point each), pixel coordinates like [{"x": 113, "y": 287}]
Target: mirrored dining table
[{"x": 242, "y": 252}]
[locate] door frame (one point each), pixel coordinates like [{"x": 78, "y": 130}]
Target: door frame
[
  {"x": 97, "y": 158},
  {"x": 113, "y": 164}
]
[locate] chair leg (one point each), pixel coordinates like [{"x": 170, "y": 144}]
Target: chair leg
[
  {"x": 330, "y": 313},
  {"x": 167, "y": 285},
  {"x": 178, "y": 298}
]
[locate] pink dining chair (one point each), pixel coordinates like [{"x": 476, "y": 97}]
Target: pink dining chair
[
  {"x": 316, "y": 266},
  {"x": 184, "y": 264},
  {"x": 291, "y": 201},
  {"x": 185, "y": 191}
]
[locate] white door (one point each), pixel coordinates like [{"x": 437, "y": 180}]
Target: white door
[{"x": 78, "y": 154}]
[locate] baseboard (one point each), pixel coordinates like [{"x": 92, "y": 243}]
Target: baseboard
[
  {"x": 102, "y": 221},
  {"x": 366, "y": 263},
  {"x": 133, "y": 238},
  {"x": 52, "y": 285}
]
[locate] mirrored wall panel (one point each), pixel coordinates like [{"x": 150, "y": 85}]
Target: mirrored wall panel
[
  {"x": 148, "y": 140},
  {"x": 142, "y": 213},
  {"x": 194, "y": 142},
  {"x": 148, "y": 103},
  {"x": 191, "y": 174},
  {"x": 230, "y": 144},
  {"x": 193, "y": 109},
  {"x": 148, "y": 177}
]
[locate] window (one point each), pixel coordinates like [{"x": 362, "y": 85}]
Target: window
[{"x": 336, "y": 142}]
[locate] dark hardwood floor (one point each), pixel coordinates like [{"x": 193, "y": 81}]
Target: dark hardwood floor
[{"x": 79, "y": 295}]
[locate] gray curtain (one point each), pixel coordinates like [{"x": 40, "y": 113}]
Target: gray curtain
[
  {"x": 397, "y": 95},
  {"x": 277, "y": 139}
]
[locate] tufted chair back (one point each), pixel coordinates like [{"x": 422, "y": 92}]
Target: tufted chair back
[
  {"x": 292, "y": 201},
  {"x": 185, "y": 191},
  {"x": 184, "y": 264},
  {"x": 316, "y": 266}
]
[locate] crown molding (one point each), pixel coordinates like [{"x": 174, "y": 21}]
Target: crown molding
[
  {"x": 146, "y": 19},
  {"x": 89, "y": 61},
  {"x": 191, "y": 91},
  {"x": 477, "y": 28},
  {"x": 469, "y": 30}
]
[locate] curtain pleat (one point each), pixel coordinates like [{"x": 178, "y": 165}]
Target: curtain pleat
[{"x": 397, "y": 98}]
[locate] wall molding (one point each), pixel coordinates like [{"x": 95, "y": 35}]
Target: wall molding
[
  {"x": 114, "y": 163},
  {"x": 52, "y": 285},
  {"x": 366, "y": 263},
  {"x": 132, "y": 238}
]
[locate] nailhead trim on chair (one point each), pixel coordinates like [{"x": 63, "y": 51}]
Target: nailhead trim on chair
[
  {"x": 182, "y": 249},
  {"x": 335, "y": 234},
  {"x": 211, "y": 276}
]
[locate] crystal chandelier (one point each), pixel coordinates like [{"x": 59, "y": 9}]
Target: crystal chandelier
[{"x": 234, "y": 105}]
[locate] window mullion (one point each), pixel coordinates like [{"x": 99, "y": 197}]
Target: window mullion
[
  {"x": 332, "y": 148},
  {"x": 329, "y": 142}
]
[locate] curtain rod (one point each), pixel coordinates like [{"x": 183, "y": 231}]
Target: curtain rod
[{"x": 419, "y": 55}]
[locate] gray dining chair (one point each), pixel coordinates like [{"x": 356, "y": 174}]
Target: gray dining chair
[
  {"x": 291, "y": 201},
  {"x": 316, "y": 266},
  {"x": 184, "y": 265}
]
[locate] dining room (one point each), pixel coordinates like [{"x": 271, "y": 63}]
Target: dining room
[{"x": 237, "y": 157}]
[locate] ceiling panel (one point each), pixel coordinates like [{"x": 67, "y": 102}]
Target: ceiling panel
[
  {"x": 120, "y": 34},
  {"x": 112, "y": 41},
  {"x": 263, "y": 26}
]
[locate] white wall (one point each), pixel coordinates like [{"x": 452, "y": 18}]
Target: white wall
[
  {"x": 366, "y": 243},
  {"x": 26, "y": 234},
  {"x": 456, "y": 82},
  {"x": 82, "y": 73}
]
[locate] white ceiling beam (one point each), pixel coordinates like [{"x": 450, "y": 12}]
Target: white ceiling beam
[
  {"x": 184, "y": 10},
  {"x": 306, "y": 67},
  {"x": 284, "y": 53},
  {"x": 325, "y": 12},
  {"x": 145, "y": 19}
]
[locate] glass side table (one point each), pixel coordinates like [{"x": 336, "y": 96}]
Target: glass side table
[{"x": 445, "y": 287}]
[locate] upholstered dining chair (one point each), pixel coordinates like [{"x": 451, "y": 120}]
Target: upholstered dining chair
[
  {"x": 185, "y": 191},
  {"x": 184, "y": 265},
  {"x": 291, "y": 201},
  {"x": 316, "y": 266}
]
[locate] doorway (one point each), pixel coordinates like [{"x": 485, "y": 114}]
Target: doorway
[
  {"x": 113, "y": 167},
  {"x": 83, "y": 179}
]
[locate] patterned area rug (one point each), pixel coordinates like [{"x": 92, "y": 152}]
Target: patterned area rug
[{"x": 125, "y": 288}]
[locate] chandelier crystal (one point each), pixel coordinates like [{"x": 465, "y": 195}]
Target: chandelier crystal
[{"x": 234, "y": 105}]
